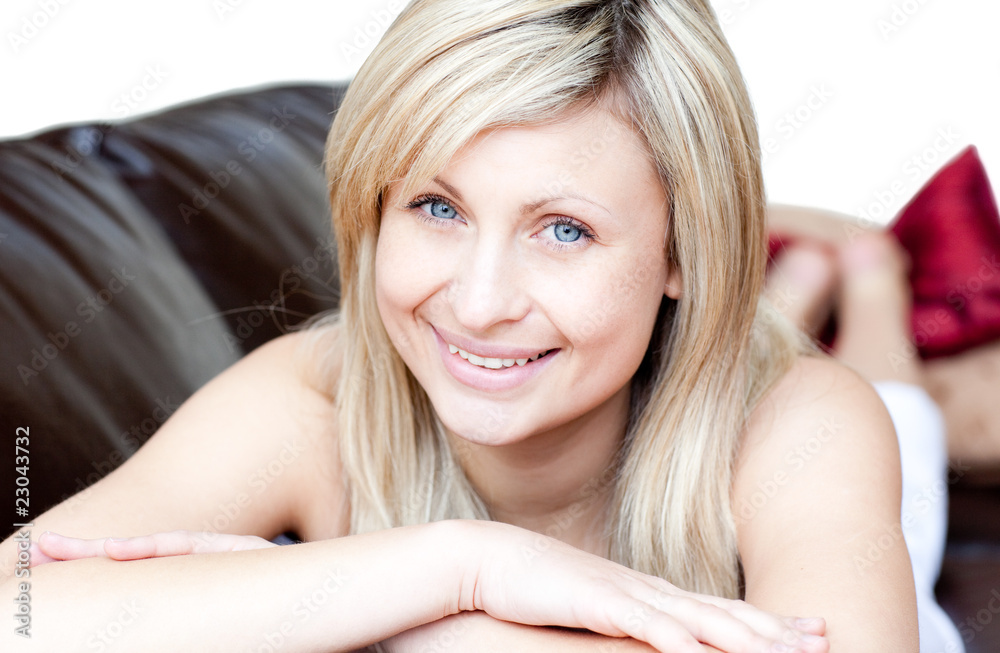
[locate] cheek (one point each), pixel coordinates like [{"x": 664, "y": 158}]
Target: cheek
[
  {"x": 609, "y": 314},
  {"x": 407, "y": 279},
  {"x": 396, "y": 285}
]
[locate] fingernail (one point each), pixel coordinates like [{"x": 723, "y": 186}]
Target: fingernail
[
  {"x": 118, "y": 539},
  {"x": 810, "y": 622},
  {"x": 811, "y": 639}
]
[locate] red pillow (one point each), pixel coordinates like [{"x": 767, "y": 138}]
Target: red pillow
[{"x": 951, "y": 230}]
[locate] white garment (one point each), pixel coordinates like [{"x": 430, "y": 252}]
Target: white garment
[{"x": 924, "y": 459}]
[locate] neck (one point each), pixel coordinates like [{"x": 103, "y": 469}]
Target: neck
[{"x": 558, "y": 482}]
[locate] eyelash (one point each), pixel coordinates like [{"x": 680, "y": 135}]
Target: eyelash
[
  {"x": 427, "y": 199},
  {"x": 585, "y": 232}
]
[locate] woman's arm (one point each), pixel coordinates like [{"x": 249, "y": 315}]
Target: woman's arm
[
  {"x": 477, "y": 632},
  {"x": 341, "y": 594},
  {"x": 817, "y": 506},
  {"x": 335, "y": 595}
]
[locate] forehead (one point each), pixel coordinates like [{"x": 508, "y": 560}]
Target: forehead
[{"x": 584, "y": 151}]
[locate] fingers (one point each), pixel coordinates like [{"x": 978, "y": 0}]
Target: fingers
[
  {"x": 874, "y": 327},
  {"x": 159, "y": 545},
  {"x": 673, "y": 617},
  {"x": 37, "y": 556},
  {"x": 741, "y": 628},
  {"x": 59, "y": 547},
  {"x": 176, "y": 543},
  {"x": 801, "y": 285},
  {"x": 811, "y": 625}
]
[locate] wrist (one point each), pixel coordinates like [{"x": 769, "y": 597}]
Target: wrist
[
  {"x": 461, "y": 546},
  {"x": 487, "y": 551}
]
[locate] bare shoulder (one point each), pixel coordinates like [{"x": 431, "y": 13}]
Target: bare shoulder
[
  {"x": 818, "y": 401},
  {"x": 821, "y": 426},
  {"x": 252, "y": 452},
  {"x": 816, "y": 500}
]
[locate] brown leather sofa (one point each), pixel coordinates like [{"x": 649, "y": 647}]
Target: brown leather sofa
[{"x": 140, "y": 259}]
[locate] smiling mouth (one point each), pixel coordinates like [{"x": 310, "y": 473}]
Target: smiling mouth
[{"x": 495, "y": 363}]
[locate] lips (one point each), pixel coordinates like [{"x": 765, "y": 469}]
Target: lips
[{"x": 490, "y": 368}]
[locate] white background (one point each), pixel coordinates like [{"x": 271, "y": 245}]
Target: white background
[{"x": 896, "y": 86}]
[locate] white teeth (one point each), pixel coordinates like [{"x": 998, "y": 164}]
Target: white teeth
[{"x": 493, "y": 363}]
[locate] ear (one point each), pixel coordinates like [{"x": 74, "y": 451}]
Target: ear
[{"x": 674, "y": 287}]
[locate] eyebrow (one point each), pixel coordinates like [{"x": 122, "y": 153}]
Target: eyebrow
[
  {"x": 531, "y": 206},
  {"x": 448, "y": 187}
]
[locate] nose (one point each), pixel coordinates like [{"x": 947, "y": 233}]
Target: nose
[{"x": 487, "y": 286}]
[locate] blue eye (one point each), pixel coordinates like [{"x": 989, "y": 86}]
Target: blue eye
[
  {"x": 567, "y": 233},
  {"x": 441, "y": 210}
]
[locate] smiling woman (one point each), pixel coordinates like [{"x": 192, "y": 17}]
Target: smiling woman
[
  {"x": 509, "y": 270},
  {"x": 550, "y": 378}
]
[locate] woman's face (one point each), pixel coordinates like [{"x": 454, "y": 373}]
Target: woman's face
[{"x": 521, "y": 285}]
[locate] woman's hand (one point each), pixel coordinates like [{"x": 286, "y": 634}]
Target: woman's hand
[
  {"x": 531, "y": 579},
  {"x": 52, "y": 547}
]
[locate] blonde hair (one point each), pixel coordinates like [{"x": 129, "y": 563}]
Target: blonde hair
[{"x": 445, "y": 71}]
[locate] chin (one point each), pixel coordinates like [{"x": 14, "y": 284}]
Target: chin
[{"x": 484, "y": 423}]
